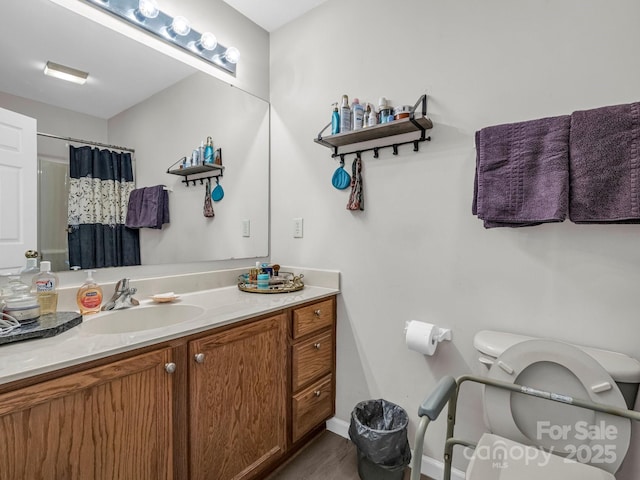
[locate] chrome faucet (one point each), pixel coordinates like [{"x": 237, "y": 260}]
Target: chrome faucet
[{"x": 122, "y": 297}]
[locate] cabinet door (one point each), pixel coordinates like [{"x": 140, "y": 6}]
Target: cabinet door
[
  {"x": 109, "y": 422},
  {"x": 238, "y": 400}
]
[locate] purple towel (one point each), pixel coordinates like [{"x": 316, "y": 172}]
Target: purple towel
[
  {"x": 522, "y": 173},
  {"x": 148, "y": 207},
  {"x": 604, "y": 165}
]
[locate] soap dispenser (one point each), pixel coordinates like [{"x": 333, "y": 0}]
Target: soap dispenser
[
  {"x": 89, "y": 297},
  {"x": 45, "y": 286}
]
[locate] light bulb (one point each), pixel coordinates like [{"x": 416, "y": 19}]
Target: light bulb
[
  {"x": 179, "y": 26},
  {"x": 207, "y": 41},
  {"x": 232, "y": 55},
  {"x": 147, "y": 9}
]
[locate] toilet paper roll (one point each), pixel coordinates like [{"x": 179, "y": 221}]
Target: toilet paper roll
[{"x": 422, "y": 337}]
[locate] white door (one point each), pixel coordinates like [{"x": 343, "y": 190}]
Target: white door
[{"x": 18, "y": 189}]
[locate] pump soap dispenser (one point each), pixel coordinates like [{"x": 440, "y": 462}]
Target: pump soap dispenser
[{"x": 89, "y": 297}]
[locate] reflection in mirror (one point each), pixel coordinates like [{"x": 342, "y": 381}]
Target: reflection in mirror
[{"x": 138, "y": 98}]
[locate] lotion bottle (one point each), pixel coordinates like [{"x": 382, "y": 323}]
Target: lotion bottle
[
  {"x": 357, "y": 114},
  {"x": 89, "y": 297}
]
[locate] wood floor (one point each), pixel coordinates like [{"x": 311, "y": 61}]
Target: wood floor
[{"x": 328, "y": 457}]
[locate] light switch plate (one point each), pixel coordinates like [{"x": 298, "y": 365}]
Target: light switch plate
[
  {"x": 246, "y": 228},
  {"x": 297, "y": 228}
]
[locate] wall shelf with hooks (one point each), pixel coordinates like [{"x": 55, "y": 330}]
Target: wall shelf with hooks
[
  {"x": 198, "y": 172},
  {"x": 382, "y": 134}
]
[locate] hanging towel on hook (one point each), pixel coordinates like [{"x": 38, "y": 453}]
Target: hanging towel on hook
[
  {"x": 208, "y": 206},
  {"x": 356, "y": 198},
  {"x": 148, "y": 207},
  {"x": 522, "y": 173},
  {"x": 604, "y": 165}
]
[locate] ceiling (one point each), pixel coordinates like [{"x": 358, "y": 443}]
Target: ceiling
[
  {"x": 122, "y": 72},
  {"x": 272, "y": 14}
]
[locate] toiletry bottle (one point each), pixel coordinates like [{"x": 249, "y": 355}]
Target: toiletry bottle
[
  {"x": 345, "y": 115},
  {"x": 335, "y": 120},
  {"x": 373, "y": 116},
  {"x": 201, "y": 153},
  {"x": 383, "y": 110},
  {"x": 357, "y": 114},
  {"x": 208, "y": 152},
  {"x": 28, "y": 272},
  {"x": 89, "y": 297},
  {"x": 45, "y": 286}
]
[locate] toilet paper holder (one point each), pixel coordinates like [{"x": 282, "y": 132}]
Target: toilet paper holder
[{"x": 424, "y": 337}]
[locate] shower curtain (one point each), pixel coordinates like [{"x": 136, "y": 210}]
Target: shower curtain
[{"x": 100, "y": 184}]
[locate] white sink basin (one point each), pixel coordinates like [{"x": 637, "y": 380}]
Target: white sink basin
[{"x": 135, "y": 319}]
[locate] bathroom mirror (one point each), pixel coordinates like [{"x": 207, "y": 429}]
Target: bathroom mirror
[{"x": 139, "y": 98}]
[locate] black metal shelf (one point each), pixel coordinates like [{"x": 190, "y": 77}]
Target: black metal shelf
[
  {"x": 201, "y": 172},
  {"x": 416, "y": 122}
]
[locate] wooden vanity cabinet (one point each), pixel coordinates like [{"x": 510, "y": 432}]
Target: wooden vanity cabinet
[
  {"x": 112, "y": 421},
  {"x": 229, "y": 404},
  {"x": 237, "y": 400}
]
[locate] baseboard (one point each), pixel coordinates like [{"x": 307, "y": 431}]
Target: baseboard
[{"x": 430, "y": 466}]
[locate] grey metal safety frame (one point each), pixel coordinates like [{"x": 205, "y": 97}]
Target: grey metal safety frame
[{"x": 447, "y": 391}]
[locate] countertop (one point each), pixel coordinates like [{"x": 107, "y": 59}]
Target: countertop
[{"x": 222, "y": 306}]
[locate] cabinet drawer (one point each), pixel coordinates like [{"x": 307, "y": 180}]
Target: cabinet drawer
[
  {"x": 312, "y": 318},
  {"x": 312, "y": 406},
  {"x": 312, "y": 359}
]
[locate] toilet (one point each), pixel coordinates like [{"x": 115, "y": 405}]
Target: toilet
[{"x": 570, "y": 371}]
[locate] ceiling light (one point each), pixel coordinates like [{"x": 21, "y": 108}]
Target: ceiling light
[
  {"x": 65, "y": 73},
  {"x": 146, "y": 15}
]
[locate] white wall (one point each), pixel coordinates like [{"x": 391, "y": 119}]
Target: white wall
[{"x": 417, "y": 252}]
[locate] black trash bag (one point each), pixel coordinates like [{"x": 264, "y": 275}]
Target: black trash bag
[{"x": 379, "y": 429}]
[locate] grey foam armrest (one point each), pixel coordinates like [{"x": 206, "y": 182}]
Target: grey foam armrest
[{"x": 438, "y": 398}]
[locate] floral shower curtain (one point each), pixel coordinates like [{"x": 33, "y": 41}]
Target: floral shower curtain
[{"x": 100, "y": 184}]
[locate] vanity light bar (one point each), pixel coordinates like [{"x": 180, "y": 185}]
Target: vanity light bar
[{"x": 146, "y": 15}]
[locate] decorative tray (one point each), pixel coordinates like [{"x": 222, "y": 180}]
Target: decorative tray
[{"x": 284, "y": 282}]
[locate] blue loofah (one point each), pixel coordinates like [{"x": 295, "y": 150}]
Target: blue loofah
[{"x": 341, "y": 178}]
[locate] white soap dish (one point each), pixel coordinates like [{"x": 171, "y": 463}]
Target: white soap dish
[{"x": 165, "y": 297}]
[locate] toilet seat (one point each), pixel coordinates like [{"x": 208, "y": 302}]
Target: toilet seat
[{"x": 590, "y": 437}]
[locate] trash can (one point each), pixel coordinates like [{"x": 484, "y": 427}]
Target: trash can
[{"x": 379, "y": 430}]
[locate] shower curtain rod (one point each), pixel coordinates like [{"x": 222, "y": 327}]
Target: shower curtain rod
[{"x": 86, "y": 142}]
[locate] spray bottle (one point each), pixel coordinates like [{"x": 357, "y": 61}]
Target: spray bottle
[{"x": 345, "y": 115}]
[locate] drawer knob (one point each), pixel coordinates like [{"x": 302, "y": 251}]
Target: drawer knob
[
  {"x": 316, "y": 346},
  {"x": 199, "y": 357},
  {"x": 317, "y": 312},
  {"x": 317, "y": 393},
  {"x": 170, "y": 367}
]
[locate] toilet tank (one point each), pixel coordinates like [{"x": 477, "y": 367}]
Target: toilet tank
[{"x": 624, "y": 370}]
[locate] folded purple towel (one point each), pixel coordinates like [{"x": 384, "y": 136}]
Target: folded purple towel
[
  {"x": 604, "y": 165},
  {"x": 522, "y": 176},
  {"x": 148, "y": 207}
]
